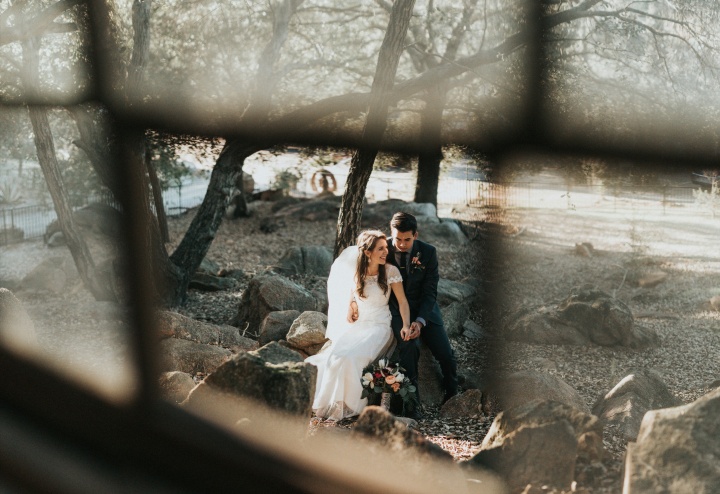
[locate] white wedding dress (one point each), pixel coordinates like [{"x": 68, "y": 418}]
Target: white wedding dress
[{"x": 352, "y": 346}]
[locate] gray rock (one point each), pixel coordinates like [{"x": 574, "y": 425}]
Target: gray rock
[
  {"x": 100, "y": 218},
  {"x": 267, "y": 293},
  {"x": 522, "y": 387},
  {"x": 552, "y": 448},
  {"x": 313, "y": 210},
  {"x": 288, "y": 387},
  {"x": 469, "y": 379},
  {"x": 172, "y": 324},
  {"x": 466, "y": 405},
  {"x": 16, "y": 327},
  {"x": 677, "y": 450},
  {"x": 443, "y": 233},
  {"x": 449, "y": 291},
  {"x": 308, "y": 259},
  {"x": 208, "y": 267},
  {"x": 626, "y": 404},
  {"x": 587, "y": 316},
  {"x": 552, "y": 434},
  {"x": 175, "y": 386},
  {"x": 57, "y": 239},
  {"x": 378, "y": 214},
  {"x": 472, "y": 330},
  {"x": 48, "y": 275},
  {"x": 308, "y": 331},
  {"x": 275, "y": 353},
  {"x": 454, "y": 317},
  {"x": 209, "y": 283},
  {"x": 276, "y": 325},
  {"x": 190, "y": 357},
  {"x": 380, "y": 425}
]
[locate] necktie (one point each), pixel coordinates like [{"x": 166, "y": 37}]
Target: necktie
[{"x": 403, "y": 260}]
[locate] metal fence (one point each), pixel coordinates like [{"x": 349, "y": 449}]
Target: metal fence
[
  {"x": 495, "y": 199},
  {"x": 498, "y": 198},
  {"x": 31, "y": 222}
]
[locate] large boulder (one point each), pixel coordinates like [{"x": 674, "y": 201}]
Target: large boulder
[
  {"x": 175, "y": 386},
  {"x": 313, "y": 210},
  {"x": 543, "y": 455},
  {"x": 48, "y": 275},
  {"x": 308, "y": 332},
  {"x": 275, "y": 353},
  {"x": 626, "y": 404},
  {"x": 100, "y": 218},
  {"x": 677, "y": 450},
  {"x": 276, "y": 325},
  {"x": 449, "y": 291},
  {"x": 513, "y": 389},
  {"x": 539, "y": 443},
  {"x": 447, "y": 231},
  {"x": 95, "y": 218},
  {"x": 171, "y": 324},
  {"x": 288, "y": 386},
  {"x": 267, "y": 293},
  {"x": 190, "y": 357},
  {"x": 467, "y": 405},
  {"x": 378, "y": 214},
  {"x": 16, "y": 327},
  {"x": 587, "y": 316},
  {"x": 308, "y": 259},
  {"x": 377, "y": 423}
]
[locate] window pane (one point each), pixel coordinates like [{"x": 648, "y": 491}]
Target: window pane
[
  {"x": 61, "y": 322},
  {"x": 645, "y": 75}
]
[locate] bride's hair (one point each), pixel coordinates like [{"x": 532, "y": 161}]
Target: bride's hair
[{"x": 366, "y": 243}]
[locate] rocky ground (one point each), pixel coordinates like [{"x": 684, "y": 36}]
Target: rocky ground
[{"x": 529, "y": 260}]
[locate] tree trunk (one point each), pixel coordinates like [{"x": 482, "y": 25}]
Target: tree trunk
[
  {"x": 48, "y": 163},
  {"x": 47, "y": 158},
  {"x": 363, "y": 159},
  {"x": 95, "y": 145},
  {"x": 201, "y": 233},
  {"x": 430, "y": 156},
  {"x": 157, "y": 198}
]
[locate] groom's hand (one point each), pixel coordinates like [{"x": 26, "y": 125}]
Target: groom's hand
[{"x": 415, "y": 328}]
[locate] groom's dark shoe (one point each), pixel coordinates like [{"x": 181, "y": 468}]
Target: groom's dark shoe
[{"x": 415, "y": 415}]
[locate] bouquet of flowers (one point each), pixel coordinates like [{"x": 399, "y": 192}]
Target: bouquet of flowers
[{"x": 385, "y": 377}]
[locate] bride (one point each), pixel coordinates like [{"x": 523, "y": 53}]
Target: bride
[{"x": 358, "y": 324}]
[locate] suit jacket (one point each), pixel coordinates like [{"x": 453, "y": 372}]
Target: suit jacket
[{"x": 420, "y": 280}]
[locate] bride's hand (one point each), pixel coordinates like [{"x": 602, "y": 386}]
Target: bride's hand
[
  {"x": 405, "y": 333},
  {"x": 352, "y": 315}
]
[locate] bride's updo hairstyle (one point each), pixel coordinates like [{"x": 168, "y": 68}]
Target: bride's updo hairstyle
[{"x": 366, "y": 243}]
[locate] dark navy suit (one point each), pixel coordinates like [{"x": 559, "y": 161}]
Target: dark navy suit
[{"x": 420, "y": 280}]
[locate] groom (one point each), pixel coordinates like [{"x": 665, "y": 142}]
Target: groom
[{"x": 418, "y": 265}]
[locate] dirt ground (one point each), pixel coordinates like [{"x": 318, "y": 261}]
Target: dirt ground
[{"x": 530, "y": 260}]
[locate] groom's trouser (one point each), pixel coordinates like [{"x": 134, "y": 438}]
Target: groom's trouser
[{"x": 436, "y": 339}]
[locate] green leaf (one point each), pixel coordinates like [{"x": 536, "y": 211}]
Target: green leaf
[
  {"x": 403, "y": 392},
  {"x": 412, "y": 388}
]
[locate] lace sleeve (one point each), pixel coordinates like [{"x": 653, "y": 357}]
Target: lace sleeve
[{"x": 393, "y": 274}]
